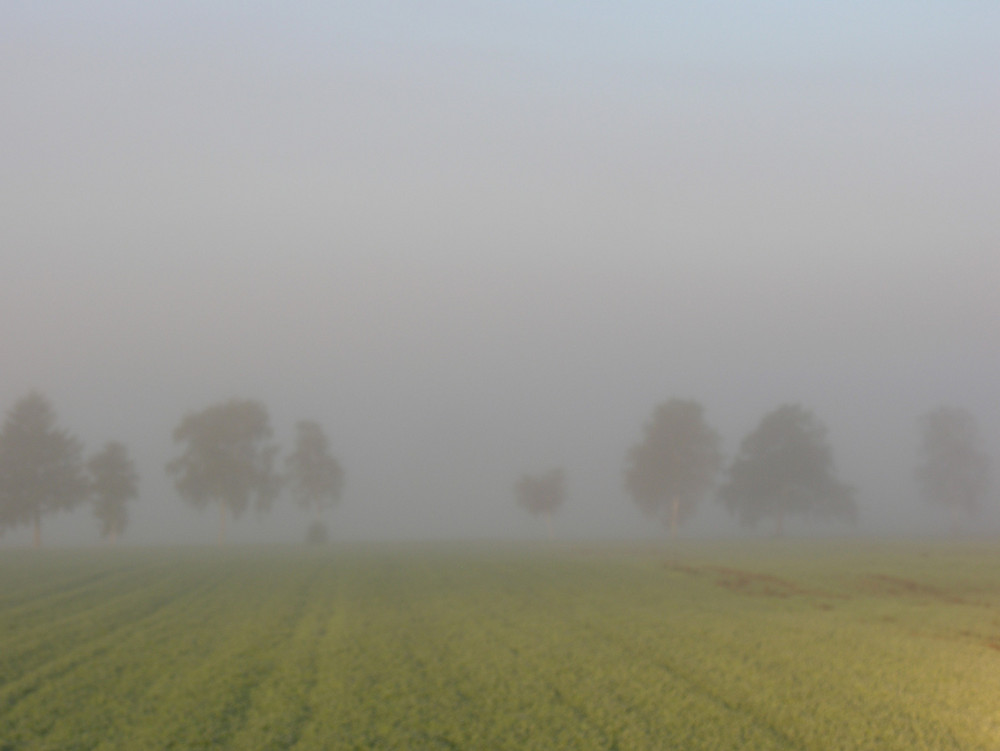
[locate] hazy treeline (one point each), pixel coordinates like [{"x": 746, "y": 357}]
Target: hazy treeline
[{"x": 226, "y": 459}]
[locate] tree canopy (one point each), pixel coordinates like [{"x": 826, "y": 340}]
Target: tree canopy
[
  {"x": 675, "y": 464},
  {"x": 953, "y": 469},
  {"x": 113, "y": 482},
  {"x": 227, "y": 459},
  {"x": 542, "y": 492},
  {"x": 315, "y": 477},
  {"x": 785, "y": 467},
  {"x": 40, "y": 465}
]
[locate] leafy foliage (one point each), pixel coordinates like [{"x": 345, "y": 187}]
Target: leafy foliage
[
  {"x": 40, "y": 465},
  {"x": 227, "y": 458},
  {"x": 317, "y": 533},
  {"x": 676, "y": 462},
  {"x": 953, "y": 469},
  {"x": 785, "y": 467},
  {"x": 315, "y": 477},
  {"x": 541, "y": 493},
  {"x": 113, "y": 482}
]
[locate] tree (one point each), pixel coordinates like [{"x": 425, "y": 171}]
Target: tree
[
  {"x": 953, "y": 469},
  {"x": 315, "y": 477},
  {"x": 113, "y": 482},
  {"x": 226, "y": 460},
  {"x": 40, "y": 466},
  {"x": 785, "y": 467},
  {"x": 675, "y": 464},
  {"x": 542, "y": 493}
]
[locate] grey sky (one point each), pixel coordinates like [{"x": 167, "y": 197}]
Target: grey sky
[{"x": 476, "y": 239}]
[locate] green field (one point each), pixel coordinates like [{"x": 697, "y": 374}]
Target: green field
[{"x": 766, "y": 645}]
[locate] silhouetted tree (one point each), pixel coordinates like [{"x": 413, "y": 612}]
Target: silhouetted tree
[
  {"x": 227, "y": 459},
  {"x": 675, "y": 464},
  {"x": 542, "y": 493},
  {"x": 785, "y": 467},
  {"x": 40, "y": 466},
  {"x": 953, "y": 469},
  {"x": 113, "y": 482},
  {"x": 317, "y": 533},
  {"x": 315, "y": 477}
]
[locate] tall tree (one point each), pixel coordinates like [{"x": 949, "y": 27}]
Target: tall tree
[
  {"x": 675, "y": 464},
  {"x": 785, "y": 467},
  {"x": 40, "y": 466},
  {"x": 953, "y": 469},
  {"x": 542, "y": 494},
  {"x": 315, "y": 477},
  {"x": 227, "y": 459},
  {"x": 113, "y": 482}
]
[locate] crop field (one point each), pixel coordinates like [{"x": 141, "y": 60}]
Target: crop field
[{"x": 764, "y": 645}]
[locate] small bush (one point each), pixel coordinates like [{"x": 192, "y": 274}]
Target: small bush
[{"x": 317, "y": 534}]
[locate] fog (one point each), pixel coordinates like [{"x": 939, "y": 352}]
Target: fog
[{"x": 476, "y": 240}]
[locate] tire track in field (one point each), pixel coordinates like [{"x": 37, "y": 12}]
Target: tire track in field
[
  {"x": 40, "y": 644},
  {"x": 501, "y": 636},
  {"x": 686, "y": 678},
  {"x": 503, "y": 626},
  {"x": 47, "y": 674},
  {"x": 326, "y": 691},
  {"x": 556, "y": 690},
  {"x": 221, "y": 598},
  {"x": 698, "y": 686},
  {"x": 238, "y": 671},
  {"x": 701, "y": 687},
  {"x": 493, "y": 615},
  {"x": 383, "y": 606},
  {"x": 282, "y": 697},
  {"x": 38, "y": 604},
  {"x": 354, "y": 650}
]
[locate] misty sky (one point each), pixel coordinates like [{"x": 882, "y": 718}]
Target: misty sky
[{"x": 478, "y": 239}]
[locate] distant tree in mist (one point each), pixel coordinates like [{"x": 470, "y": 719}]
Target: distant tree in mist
[
  {"x": 317, "y": 533},
  {"x": 113, "y": 482},
  {"x": 785, "y": 467},
  {"x": 953, "y": 469},
  {"x": 542, "y": 494},
  {"x": 675, "y": 464},
  {"x": 41, "y": 468},
  {"x": 227, "y": 459},
  {"x": 315, "y": 478}
]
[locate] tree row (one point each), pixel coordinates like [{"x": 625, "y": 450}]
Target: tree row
[
  {"x": 227, "y": 460},
  {"x": 784, "y": 468}
]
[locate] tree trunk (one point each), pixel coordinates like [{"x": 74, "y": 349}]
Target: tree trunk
[
  {"x": 113, "y": 536},
  {"x": 222, "y": 522},
  {"x": 675, "y": 513},
  {"x": 38, "y": 531}
]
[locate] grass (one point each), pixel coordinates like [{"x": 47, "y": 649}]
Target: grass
[{"x": 698, "y": 646}]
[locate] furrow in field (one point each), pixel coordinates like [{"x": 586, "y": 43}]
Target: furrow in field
[
  {"x": 30, "y": 577},
  {"x": 38, "y": 601},
  {"x": 213, "y": 695},
  {"x": 109, "y": 665},
  {"x": 281, "y": 703},
  {"x": 404, "y": 649},
  {"x": 629, "y": 699},
  {"x": 802, "y": 669},
  {"x": 29, "y": 648}
]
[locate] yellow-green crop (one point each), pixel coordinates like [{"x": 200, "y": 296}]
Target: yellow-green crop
[{"x": 699, "y": 646}]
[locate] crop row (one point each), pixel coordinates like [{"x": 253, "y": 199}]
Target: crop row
[{"x": 494, "y": 649}]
